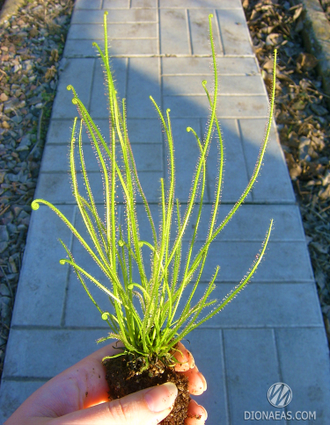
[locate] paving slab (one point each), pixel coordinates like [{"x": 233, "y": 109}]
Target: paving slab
[
  {"x": 277, "y": 186},
  {"x": 121, "y": 48},
  {"x": 227, "y": 66},
  {"x": 287, "y": 222},
  {"x": 40, "y": 297},
  {"x": 86, "y": 4},
  {"x": 96, "y": 32},
  {"x": 198, "y": 4},
  {"x": 116, "y": 16},
  {"x": 292, "y": 307},
  {"x": 307, "y": 369},
  {"x": 99, "y": 101},
  {"x": 148, "y": 158},
  {"x": 236, "y": 106},
  {"x": 144, "y": 130},
  {"x": 230, "y": 85},
  {"x": 254, "y": 370},
  {"x": 171, "y": 42},
  {"x": 273, "y": 331},
  {"x": 56, "y": 187},
  {"x": 79, "y": 72}
]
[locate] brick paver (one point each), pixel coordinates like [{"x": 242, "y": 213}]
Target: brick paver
[{"x": 273, "y": 331}]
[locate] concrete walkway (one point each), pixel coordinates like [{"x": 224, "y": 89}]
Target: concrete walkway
[{"x": 273, "y": 331}]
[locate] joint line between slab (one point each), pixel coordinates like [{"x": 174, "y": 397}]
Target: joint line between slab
[
  {"x": 190, "y": 46},
  {"x": 223, "y": 353},
  {"x": 222, "y": 327},
  {"x": 69, "y": 269}
]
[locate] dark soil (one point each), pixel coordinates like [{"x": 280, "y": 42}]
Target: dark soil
[{"x": 124, "y": 371}]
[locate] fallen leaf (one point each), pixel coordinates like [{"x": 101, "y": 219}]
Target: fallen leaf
[
  {"x": 306, "y": 62},
  {"x": 274, "y": 39},
  {"x": 299, "y": 105},
  {"x": 322, "y": 249},
  {"x": 297, "y": 12},
  {"x": 269, "y": 64}
]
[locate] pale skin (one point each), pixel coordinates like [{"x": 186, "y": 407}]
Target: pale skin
[{"x": 78, "y": 396}]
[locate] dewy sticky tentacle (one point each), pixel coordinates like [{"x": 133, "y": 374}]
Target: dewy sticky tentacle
[{"x": 151, "y": 328}]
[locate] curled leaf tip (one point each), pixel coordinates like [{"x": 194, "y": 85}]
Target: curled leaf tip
[
  {"x": 62, "y": 262},
  {"x": 211, "y": 15},
  {"x": 106, "y": 13},
  {"x": 105, "y": 315},
  {"x": 204, "y": 82},
  {"x": 35, "y": 205},
  {"x": 130, "y": 286},
  {"x": 69, "y": 87},
  {"x": 188, "y": 129},
  {"x": 121, "y": 242}
]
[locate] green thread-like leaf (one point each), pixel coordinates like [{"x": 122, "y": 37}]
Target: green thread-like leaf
[{"x": 159, "y": 320}]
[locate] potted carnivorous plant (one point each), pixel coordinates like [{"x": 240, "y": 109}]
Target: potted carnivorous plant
[{"x": 150, "y": 315}]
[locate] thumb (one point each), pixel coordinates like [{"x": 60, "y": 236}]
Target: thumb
[{"x": 146, "y": 407}]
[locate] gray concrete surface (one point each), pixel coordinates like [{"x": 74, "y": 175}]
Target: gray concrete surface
[{"x": 273, "y": 331}]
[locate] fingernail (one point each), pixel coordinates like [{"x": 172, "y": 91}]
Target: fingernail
[
  {"x": 161, "y": 397},
  {"x": 191, "y": 360},
  {"x": 205, "y": 415},
  {"x": 203, "y": 380}
]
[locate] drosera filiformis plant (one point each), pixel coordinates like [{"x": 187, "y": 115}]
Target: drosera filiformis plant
[{"x": 152, "y": 330}]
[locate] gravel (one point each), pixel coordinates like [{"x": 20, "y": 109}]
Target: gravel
[
  {"x": 326, "y": 7},
  {"x": 31, "y": 46},
  {"x": 303, "y": 120}
]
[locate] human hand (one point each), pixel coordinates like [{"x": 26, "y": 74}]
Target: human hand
[{"x": 78, "y": 396}]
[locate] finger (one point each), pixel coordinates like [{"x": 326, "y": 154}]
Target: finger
[
  {"x": 197, "y": 415},
  {"x": 184, "y": 357},
  {"x": 146, "y": 407},
  {"x": 78, "y": 387},
  {"x": 111, "y": 349},
  {"x": 85, "y": 384},
  {"x": 196, "y": 382}
]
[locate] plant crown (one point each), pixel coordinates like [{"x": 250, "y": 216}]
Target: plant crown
[{"x": 160, "y": 322}]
